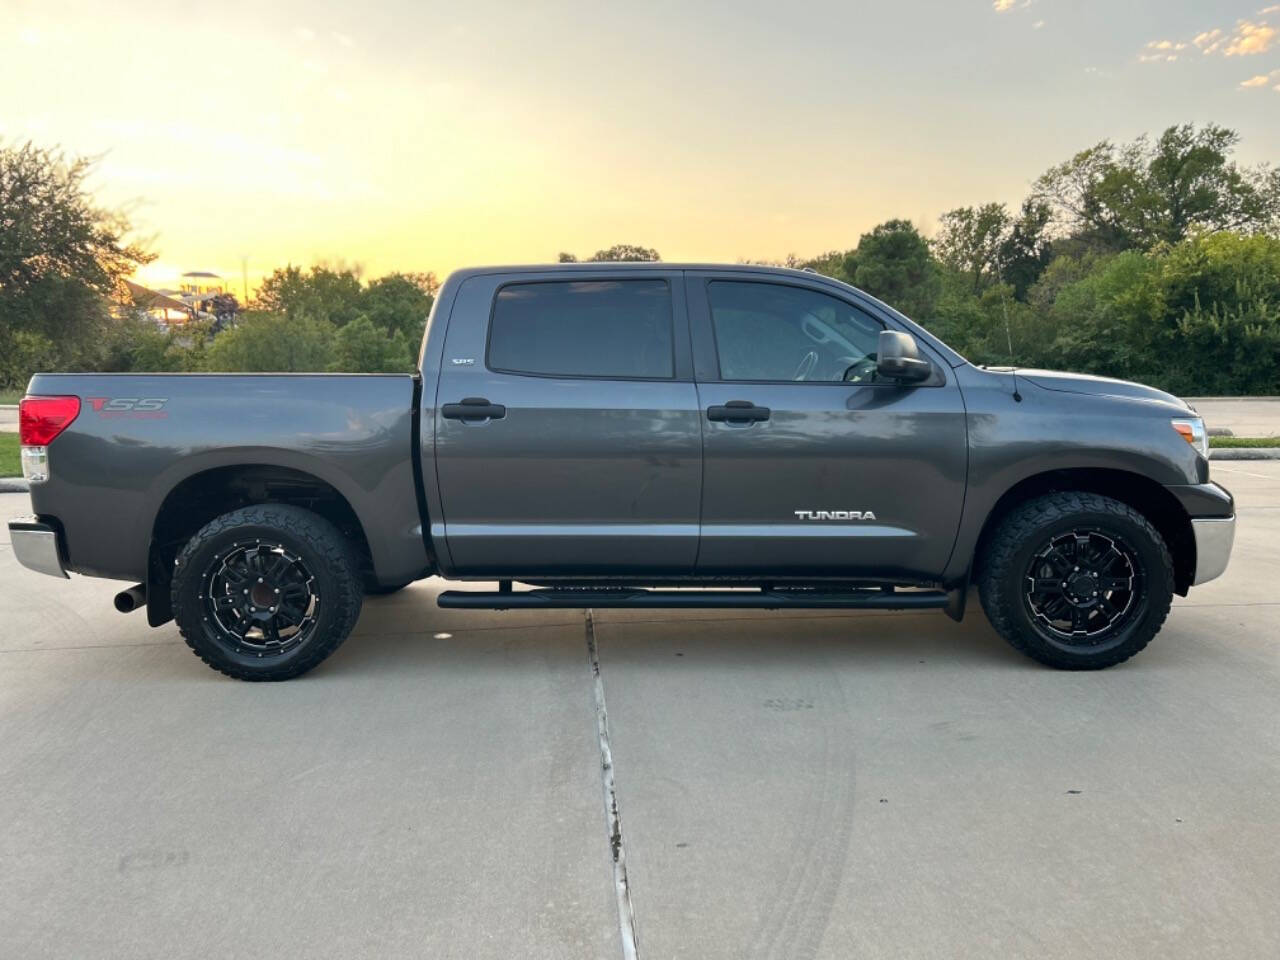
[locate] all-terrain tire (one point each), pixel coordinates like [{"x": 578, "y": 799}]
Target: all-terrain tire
[
  {"x": 324, "y": 556},
  {"x": 1011, "y": 551}
]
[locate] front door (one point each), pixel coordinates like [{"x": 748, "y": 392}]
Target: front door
[
  {"x": 813, "y": 468},
  {"x": 567, "y": 434}
]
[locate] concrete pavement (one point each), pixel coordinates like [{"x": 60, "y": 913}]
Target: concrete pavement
[
  {"x": 1243, "y": 416},
  {"x": 815, "y": 785}
]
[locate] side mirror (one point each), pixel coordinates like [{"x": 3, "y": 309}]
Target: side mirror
[{"x": 898, "y": 358}]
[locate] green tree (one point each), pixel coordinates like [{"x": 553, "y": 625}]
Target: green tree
[
  {"x": 893, "y": 262},
  {"x": 972, "y": 241},
  {"x": 1139, "y": 194},
  {"x": 135, "y": 342},
  {"x": 362, "y": 347},
  {"x": 323, "y": 294},
  {"x": 621, "y": 252},
  {"x": 272, "y": 343},
  {"x": 63, "y": 259},
  {"x": 837, "y": 264},
  {"x": 1027, "y": 249},
  {"x": 399, "y": 302}
]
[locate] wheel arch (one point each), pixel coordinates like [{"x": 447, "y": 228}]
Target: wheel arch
[
  {"x": 1143, "y": 494},
  {"x": 205, "y": 494}
]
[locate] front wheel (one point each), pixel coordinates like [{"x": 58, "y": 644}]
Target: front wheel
[
  {"x": 1077, "y": 581},
  {"x": 266, "y": 592}
]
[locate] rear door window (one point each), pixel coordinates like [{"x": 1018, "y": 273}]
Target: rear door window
[{"x": 618, "y": 329}]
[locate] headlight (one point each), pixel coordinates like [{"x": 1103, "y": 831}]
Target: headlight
[{"x": 1192, "y": 430}]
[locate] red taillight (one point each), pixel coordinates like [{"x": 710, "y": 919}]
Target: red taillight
[{"x": 40, "y": 419}]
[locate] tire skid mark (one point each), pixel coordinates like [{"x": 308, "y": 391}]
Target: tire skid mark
[{"x": 797, "y": 918}]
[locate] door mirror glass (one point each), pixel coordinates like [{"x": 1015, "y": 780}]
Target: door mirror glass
[{"x": 898, "y": 358}]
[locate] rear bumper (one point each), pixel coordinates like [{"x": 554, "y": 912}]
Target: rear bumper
[
  {"x": 1214, "y": 537},
  {"x": 36, "y": 546}
]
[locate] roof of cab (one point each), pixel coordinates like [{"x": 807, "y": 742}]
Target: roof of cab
[{"x": 614, "y": 266}]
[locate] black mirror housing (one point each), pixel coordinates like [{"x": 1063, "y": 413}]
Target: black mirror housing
[{"x": 898, "y": 358}]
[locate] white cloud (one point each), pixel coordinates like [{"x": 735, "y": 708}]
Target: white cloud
[
  {"x": 1161, "y": 51},
  {"x": 1262, "y": 80},
  {"x": 1245, "y": 39},
  {"x": 1250, "y": 38},
  {"x": 1209, "y": 41},
  {"x": 1037, "y": 25},
  {"x": 1001, "y": 6},
  {"x": 1271, "y": 9}
]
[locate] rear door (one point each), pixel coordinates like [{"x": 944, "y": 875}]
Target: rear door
[
  {"x": 568, "y": 437},
  {"x": 812, "y": 467}
]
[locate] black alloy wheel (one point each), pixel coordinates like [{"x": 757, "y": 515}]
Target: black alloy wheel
[
  {"x": 1083, "y": 586},
  {"x": 266, "y": 592},
  {"x": 1076, "y": 580},
  {"x": 260, "y": 598}
]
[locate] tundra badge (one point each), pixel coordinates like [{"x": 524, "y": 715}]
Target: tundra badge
[{"x": 834, "y": 515}]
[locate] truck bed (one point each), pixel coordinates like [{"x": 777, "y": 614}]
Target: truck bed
[{"x": 141, "y": 443}]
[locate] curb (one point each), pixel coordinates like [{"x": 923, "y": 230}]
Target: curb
[
  {"x": 1244, "y": 453},
  {"x": 13, "y": 485}
]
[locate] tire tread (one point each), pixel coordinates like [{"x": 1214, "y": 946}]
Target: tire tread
[
  {"x": 320, "y": 536},
  {"x": 1001, "y": 603}
]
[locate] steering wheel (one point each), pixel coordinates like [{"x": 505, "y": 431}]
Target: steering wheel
[
  {"x": 861, "y": 370},
  {"x": 806, "y": 365}
]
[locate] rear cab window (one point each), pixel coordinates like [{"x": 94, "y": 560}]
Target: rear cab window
[{"x": 610, "y": 329}]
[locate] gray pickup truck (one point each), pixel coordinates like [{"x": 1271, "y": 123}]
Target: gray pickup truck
[{"x": 630, "y": 435}]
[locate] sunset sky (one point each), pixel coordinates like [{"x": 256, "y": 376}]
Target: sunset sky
[{"x": 414, "y": 135}]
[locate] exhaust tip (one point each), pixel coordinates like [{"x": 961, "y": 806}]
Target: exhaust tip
[{"x": 129, "y": 600}]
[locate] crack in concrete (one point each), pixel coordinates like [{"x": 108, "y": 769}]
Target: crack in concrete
[{"x": 622, "y": 888}]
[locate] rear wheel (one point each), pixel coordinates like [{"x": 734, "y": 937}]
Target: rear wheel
[
  {"x": 1076, "y": 580},
  {"x": 266, "y": 592}
]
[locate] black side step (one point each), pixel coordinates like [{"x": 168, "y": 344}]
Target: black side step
[{"x": 694, "y": 599}]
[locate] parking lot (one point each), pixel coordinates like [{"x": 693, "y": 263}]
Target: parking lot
[{"x": 821, "y": 785}]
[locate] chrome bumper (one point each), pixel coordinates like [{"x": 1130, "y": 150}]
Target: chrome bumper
[
  {"x": 35, "y": 544},
  {"x": 1214, "y": 537}
]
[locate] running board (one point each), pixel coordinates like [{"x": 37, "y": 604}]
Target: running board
[{"x": 544, "y": 599}]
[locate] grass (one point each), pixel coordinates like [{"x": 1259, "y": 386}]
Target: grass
[
  {"x": 10, "y": 396},
  {"x": 1244, "y": 441},
  {"x": 10, "y": 465}
]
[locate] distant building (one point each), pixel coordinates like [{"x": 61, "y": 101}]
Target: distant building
[
  {"x": 200, "y": 296},
  {"x": 195, "y": 282}
]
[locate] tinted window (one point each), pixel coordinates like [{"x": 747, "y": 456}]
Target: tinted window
[
  {"x": 767, "y": 331},
  {"x": 587, "y": 328}
]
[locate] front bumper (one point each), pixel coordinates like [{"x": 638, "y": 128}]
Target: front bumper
[
  {"x": 1214, "y": 536},
  {"x": 35, "y": 544}
]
